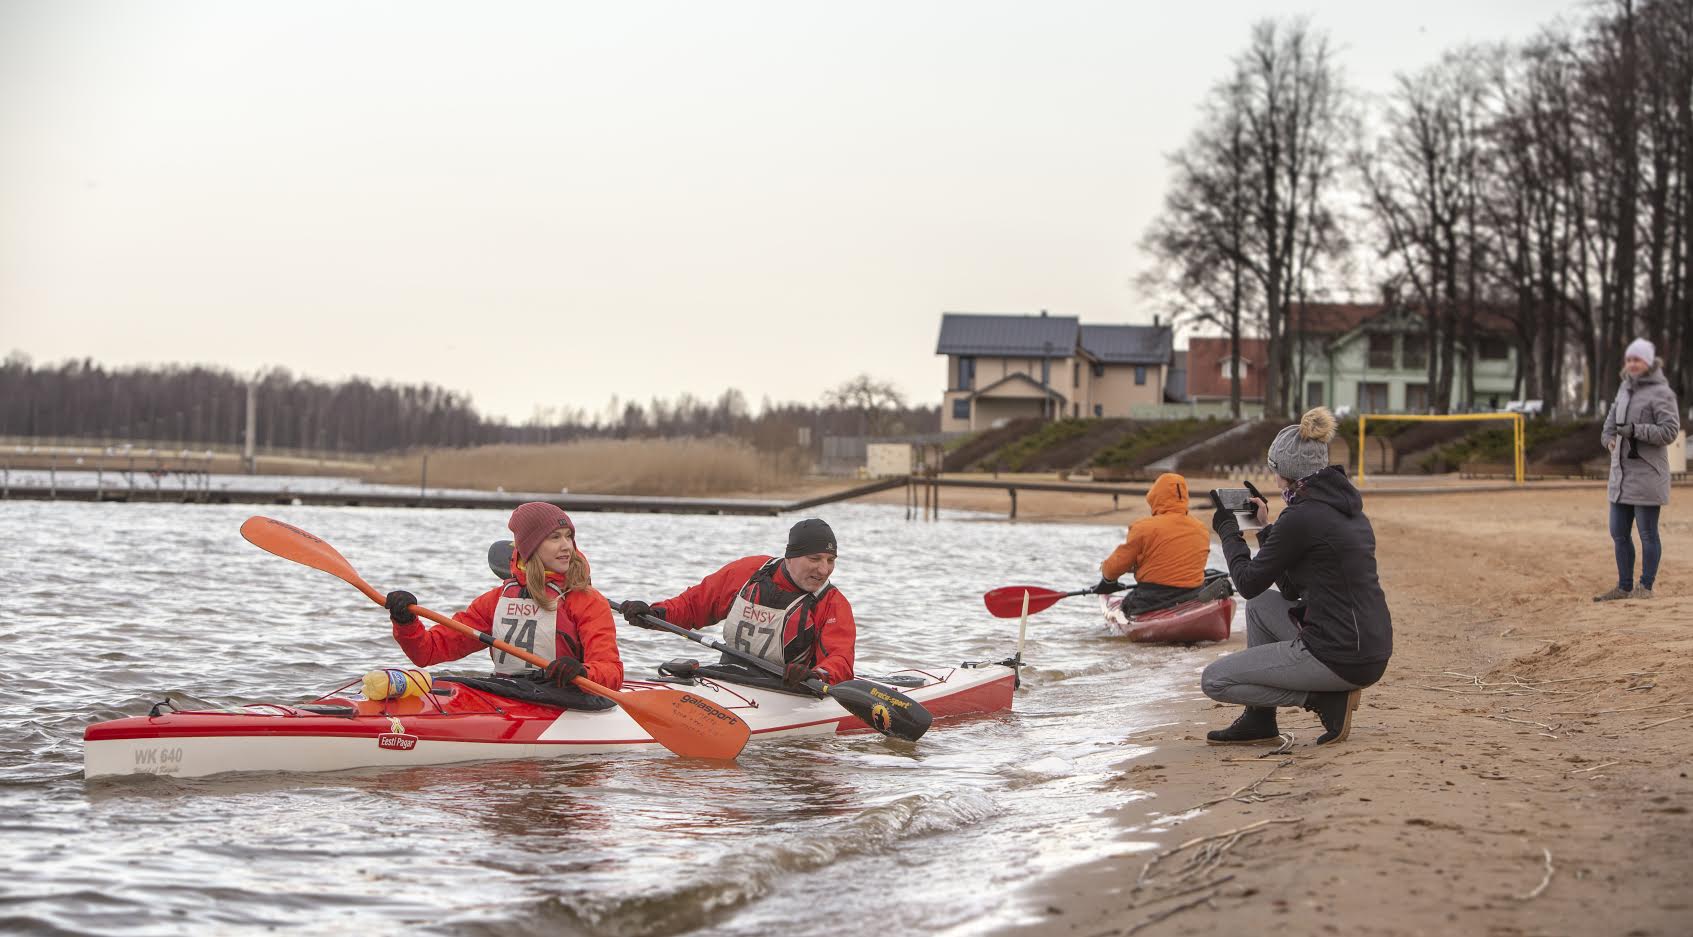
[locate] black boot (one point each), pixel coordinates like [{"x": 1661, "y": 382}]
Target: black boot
[
  {"x": 1257, "y": 724},
  {"x": 1335, "y": 709}
]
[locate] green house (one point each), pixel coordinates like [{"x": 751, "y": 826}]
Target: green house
[{"x": 1371, "y": 358}]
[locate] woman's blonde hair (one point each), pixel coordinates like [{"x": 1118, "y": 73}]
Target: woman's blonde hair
[{"x": 535, "y": 577}]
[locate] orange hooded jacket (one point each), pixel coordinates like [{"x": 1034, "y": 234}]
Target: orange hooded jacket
[{"x": 1167, "y": 549}]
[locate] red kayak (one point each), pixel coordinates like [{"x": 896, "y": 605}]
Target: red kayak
[
  {"x": 1184, "y": 623},
  {"x": 458, "y": 722}
]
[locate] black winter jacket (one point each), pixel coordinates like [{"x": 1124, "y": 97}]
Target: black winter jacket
[{"x": 1322, "y": 550}]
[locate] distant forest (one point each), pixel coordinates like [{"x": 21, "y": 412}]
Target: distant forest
[{"x": 205, "y": 406}]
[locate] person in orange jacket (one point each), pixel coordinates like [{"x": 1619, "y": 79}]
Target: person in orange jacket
[
  {"x": 1165, "y": 553},
  {"x": 781, "y": 609},
  {"x": 548, "y": 607}
]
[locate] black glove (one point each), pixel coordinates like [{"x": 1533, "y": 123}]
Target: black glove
[
  {"x": 399, "y": 604},
  {"x": 1252, "y": 490},
  {"x": 633, "y": 609},
  {"x": 563, "y": 670},
  {"x": 1225, "y": 523},
  {"x": 797, "y": 674},
  {"x": 1625, "y": 430},
  {"x": 1108, "y": 587}
]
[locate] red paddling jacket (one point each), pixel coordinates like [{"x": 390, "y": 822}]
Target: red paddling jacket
[
  {"x": 816, "y": 629},
  {"x": 582, "y": 628}
]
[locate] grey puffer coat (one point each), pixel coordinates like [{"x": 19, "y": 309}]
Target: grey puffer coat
[{"x": 1643, "y": 421}]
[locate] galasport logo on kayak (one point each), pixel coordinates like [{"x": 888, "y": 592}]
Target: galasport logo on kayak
[{"x": 706, "y": 708}]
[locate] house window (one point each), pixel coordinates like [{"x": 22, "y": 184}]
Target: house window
[
  {"x": 1372, "y": 396},
  {"x": 1045, "y": 371},
  {"x": 1228, "y": 366},
  {"x": 1313, "y": 394},
  {"x": 1099, "y": 369},
  {"x": 1140, "y": 375},
  {"x": 1416, "y": 398},
  {"x": 1098, "y": 409},
  {"x": 1075, "y": 374},
  {"x": 1381, "y": 351},
  {"x": 961, "y": 408},
  {"x": 966, "y": 373},
  {"x": 1494, "y": 348},
  {"x": 1416, "y": 352}
]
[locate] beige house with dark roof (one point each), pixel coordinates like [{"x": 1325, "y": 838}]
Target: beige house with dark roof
[{"x": 1005, "y": 367}]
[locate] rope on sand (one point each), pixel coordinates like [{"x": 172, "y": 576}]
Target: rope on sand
[{"x": 1544, "y": 881}]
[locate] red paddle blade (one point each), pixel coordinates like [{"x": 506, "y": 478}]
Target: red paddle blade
[
  {"x": 686, "y": 724},
  {"x": 1007, "y": 601}
]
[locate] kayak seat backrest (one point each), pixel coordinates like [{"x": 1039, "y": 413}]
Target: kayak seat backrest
[{"x": 534, "y": 691}]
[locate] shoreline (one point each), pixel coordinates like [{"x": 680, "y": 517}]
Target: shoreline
[{"x": 1524, "y": 762}]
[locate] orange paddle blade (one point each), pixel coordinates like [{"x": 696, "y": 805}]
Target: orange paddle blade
[
  {"x": 307, "y": 549},
  {"x": 1007, "y": 601},
  {"x": 689, "y": 725}
]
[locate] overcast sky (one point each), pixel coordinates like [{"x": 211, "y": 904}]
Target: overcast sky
[{"x": 550, "y": 203}]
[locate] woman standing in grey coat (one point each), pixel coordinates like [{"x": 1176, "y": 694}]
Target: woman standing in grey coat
[{"x": 1641, "y": 424}]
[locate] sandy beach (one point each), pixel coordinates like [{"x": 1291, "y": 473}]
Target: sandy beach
[{"x": 1521, "y": 769}]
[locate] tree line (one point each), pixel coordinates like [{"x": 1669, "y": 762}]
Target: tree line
[
  {"x": 206, "y": 406},
  {"x": 1541, "y": 190}
]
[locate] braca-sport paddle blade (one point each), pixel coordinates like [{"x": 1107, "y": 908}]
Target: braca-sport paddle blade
[
  {"x": 686, "y": 724},
  {"x": 1007, "y": 601},
  {"x": 305, "y": 548},
  {"x": 884, "y": 709}
]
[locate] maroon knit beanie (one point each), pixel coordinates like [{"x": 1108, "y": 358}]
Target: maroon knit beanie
[{"x": 533, "y": 522}]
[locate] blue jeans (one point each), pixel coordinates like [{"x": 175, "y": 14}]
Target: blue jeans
[{"x": 1644, "y": 517}]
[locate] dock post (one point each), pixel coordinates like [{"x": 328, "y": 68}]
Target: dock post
[
  {"x": 53, "y": 478},
  {"x": 100, "y": 482},
  {"x": 1013, "y": 502},
  {"x": 6, "y": 481},
  {"x": 927, "y": 490},
  {"x": 1114, "y": 505},
  {"x": 936, "y": 481},
  {"x": 423, "y": 482}
]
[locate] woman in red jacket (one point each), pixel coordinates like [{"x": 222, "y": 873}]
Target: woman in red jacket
[
  {"x": 783, "y": 610},
  {"x": 548, "y": 607}
]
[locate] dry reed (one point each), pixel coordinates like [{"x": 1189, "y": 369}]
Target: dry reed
[{"x": 678, "y": 467}]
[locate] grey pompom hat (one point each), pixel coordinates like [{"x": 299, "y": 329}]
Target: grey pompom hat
[{"x": 1303, "y": 448}]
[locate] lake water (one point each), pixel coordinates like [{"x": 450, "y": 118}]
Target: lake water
[{"x": 105, "y": 608}]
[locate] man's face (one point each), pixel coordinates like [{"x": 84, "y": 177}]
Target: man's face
[{"x": 811, "y": 572}]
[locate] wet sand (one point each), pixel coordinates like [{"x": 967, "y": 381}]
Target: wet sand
[{"x": 1521, "y": 769}]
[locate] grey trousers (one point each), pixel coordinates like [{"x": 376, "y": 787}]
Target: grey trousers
[{"x": 1275, "y": 669}]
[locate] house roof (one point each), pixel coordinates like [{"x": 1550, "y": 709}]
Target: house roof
[
  {"x": 1128, "y": 344},
  {"x": 1018, "y": 377},
  {"x": 1042, "y": 336},
  {"x": 1205, "y": 377}
]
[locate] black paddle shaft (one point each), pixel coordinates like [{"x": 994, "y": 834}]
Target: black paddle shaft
[
  {"x": 884, "y": 709},
  {"x": 653, "y": 621}
]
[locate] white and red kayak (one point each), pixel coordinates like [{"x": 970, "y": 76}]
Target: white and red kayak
[
  {"x": 1183, "y": 623},
  {"x": 456, "y": 722}
]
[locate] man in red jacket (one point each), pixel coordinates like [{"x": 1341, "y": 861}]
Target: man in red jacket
[{"x": 783, "y": 610}]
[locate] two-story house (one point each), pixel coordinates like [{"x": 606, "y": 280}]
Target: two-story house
[
  {"x": 1375, "y": 359},
  {"x": 1367, "y": 357},
  {"x": 1003, "y": 367}
]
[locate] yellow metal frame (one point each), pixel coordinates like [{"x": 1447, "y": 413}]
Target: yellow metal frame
[{"x": 1517, "y": 431}]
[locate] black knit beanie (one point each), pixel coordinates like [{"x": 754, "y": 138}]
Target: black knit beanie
[{"x": 810, "y": 536}]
